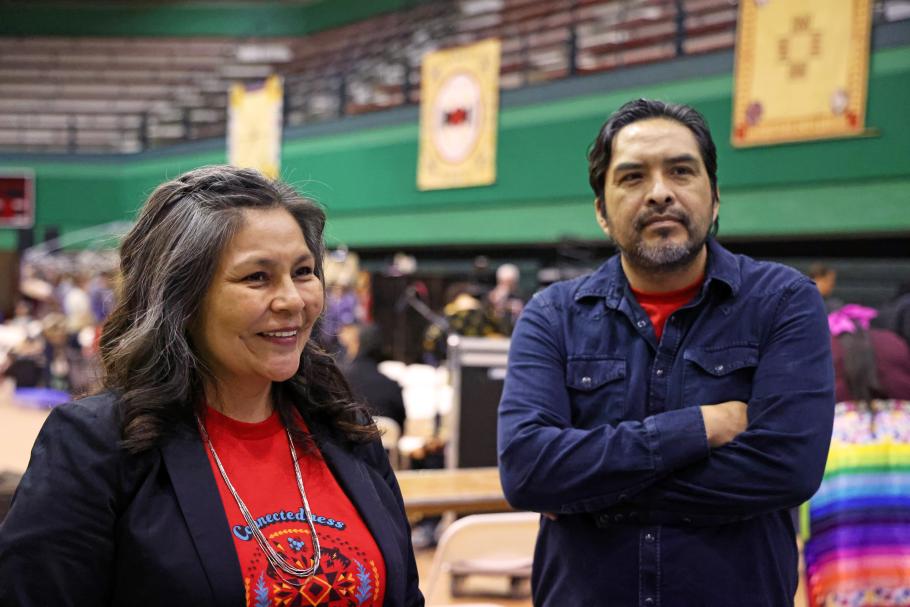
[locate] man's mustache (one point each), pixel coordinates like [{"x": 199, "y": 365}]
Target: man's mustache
[{"x": 654, "y": 216}]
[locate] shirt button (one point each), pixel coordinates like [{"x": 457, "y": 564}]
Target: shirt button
[
  {"x": 659, "y": 372},
  {"x": 649, "y": 601},
  {"x": 649, "y": 537},
  {"x": 719, "y": 368},
  {"x": 586, "y": 381},
  {"x": 640, "y": 324}
]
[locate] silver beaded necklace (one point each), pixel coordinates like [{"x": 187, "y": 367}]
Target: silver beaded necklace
[{"x": 278, "y": 561}]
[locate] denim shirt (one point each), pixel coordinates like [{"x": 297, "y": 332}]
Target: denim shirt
[{"x": 600, "y": 424}]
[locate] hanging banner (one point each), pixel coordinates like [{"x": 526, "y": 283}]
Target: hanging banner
[
  {"x": 254, "y": 126},
  {"x": 801, "y": 70},
  {"x": 459, "y": 106}
]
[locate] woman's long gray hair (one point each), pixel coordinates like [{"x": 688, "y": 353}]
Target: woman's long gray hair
[{"x": 167, "y": 262}]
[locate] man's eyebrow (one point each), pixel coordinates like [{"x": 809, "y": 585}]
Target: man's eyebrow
[
  {"x": 682, "y": 158},
  {"x": 628, "y": 166}
]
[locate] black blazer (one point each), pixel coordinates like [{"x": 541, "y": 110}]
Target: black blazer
[{"x": 92, "y": 525}]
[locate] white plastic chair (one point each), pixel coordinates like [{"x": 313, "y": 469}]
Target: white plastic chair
[
  {"x": 418, "y": 375},
  {"x": 393, "y": 369},
  {"x": 391, "y": 434},
  {"x": 500, "y": 544}
]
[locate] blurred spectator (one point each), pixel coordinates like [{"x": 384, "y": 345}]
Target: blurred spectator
[
  {"x": 342, "y": 307},
  {"x": 52, "y": 338},
  {"x": 869, "y": 363},
  {"x": 58, "y": 353},
  {"x": 23, "y": 313},
  {"x": 25, "y": 362},
  {"x": 101, "y": 295},
  {"x": 825, "y": 278},
  {"x": 895, "y": 315},
  {"x": 33, "y": 285},
  {"x": 382, "y": 395},
  {"x": 465, "y": 315},
  {"x": 76, "y": 303},
  {"x": 505, "y": 304}
]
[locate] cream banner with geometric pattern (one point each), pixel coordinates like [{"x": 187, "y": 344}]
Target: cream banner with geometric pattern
[
  {"x": 459, "y": 106},
  {"x": 254, "y": 126},
  {"x": 801, "y": 70}
]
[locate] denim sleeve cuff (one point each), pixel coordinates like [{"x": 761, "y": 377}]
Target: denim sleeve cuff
[{"x": 677, "y": 438}]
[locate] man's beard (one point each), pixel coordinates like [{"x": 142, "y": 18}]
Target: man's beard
[{"x": 664, "y": 256}]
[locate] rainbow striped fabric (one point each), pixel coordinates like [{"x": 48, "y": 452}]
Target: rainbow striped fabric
[{"x": 858, "y": 550}]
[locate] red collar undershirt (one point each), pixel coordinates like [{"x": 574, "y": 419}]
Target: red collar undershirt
[{"x": 659, "y": 306}]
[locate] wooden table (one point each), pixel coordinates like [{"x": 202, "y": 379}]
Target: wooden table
[{"x": 432, "y": 492}]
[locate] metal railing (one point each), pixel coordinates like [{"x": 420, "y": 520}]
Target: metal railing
[{"x": 375, "y": 65}]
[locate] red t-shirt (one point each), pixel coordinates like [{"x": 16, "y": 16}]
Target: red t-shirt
[
  {"x": 257, "y": 460},
  {"x": 660, "y": 306}
]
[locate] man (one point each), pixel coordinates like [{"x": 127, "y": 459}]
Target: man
[
  {"x": 825, "y": 278},
  {"x": 382, "y": 395},
  {"x": 503, "y": 300},
  {"x": 667, "y": 410}
]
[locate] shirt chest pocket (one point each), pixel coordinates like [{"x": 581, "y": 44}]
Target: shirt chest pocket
[
  {"x": 717, "y": 375},
  {"x": 597, "y": 389}
]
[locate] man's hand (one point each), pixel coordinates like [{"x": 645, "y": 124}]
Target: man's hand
[{"x": 724, "y": 421}]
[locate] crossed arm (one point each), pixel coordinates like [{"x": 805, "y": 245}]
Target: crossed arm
[{"x": 723, "y": 460}]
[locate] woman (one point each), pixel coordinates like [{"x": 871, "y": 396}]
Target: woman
[
  {"x": 226, "y": 463},
  {"x": 859, "y": 549}
]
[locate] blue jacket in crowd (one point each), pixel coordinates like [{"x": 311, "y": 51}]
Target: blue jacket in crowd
[{"x": 599, "y": 424}]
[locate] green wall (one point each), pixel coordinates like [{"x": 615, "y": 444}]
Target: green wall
[
  {"x": 366, "y": 178},
  {"x": 266, "y": 18}
]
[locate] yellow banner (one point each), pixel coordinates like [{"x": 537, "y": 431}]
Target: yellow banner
[
  {"x": 801, "y": 70},
  {"x": 459, "y": 106},
  {"x": 254, "y": 126}
]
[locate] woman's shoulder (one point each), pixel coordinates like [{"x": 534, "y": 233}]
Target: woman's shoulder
[
  {"x": 101, "y": 407},
  {"x": 94, "y": 419},
  {"x": 373, "y": 455}
]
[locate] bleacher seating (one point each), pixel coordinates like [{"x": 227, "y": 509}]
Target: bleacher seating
[{"x": 92, "y": 94}]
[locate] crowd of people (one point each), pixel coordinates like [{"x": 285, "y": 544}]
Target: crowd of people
[{"x": 51, "y": 338}]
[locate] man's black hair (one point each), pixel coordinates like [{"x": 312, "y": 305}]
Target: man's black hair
[{"x": 601, "y": 150}]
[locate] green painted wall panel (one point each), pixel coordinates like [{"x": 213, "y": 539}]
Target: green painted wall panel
[
  {"x": 138, "y": 179},
  {"x": 7, "y": 240},
  {"x": 801, "y": 211}
]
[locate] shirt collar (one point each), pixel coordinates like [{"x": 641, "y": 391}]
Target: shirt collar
[{"x": 609, "y": 281}]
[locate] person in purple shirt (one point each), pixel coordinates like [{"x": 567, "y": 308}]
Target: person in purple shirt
[
  {"x": 869, "y": 363},
  {"x": 665, "y": 412}
]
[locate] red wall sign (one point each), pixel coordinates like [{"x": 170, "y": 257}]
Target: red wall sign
[{"x": 17, "y": 199}]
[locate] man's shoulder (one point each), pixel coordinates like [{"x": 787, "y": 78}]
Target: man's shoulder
[
  {"x": 767, "y": 277},
  {"x": 596, "y": 282}
]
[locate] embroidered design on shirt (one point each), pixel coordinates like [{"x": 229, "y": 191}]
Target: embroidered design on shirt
[{"x": 262, "y": 592}]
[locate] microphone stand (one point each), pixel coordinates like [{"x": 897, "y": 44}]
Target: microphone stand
[{"x": 410, "y": 299}]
